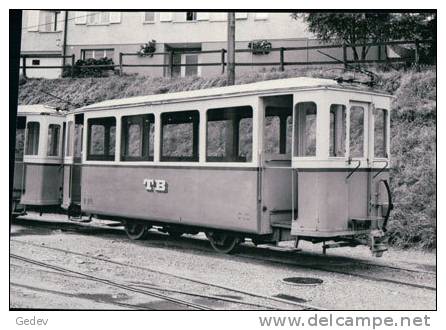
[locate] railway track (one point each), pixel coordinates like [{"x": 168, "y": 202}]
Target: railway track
[
  {"x": 135, "y": 287},
  {"x": 111, "y": 283},
  {"x": 256, "y": 254}
]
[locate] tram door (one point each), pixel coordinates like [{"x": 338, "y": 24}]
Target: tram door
[
  {"x": 358, "y": 179},
  {"x": 73, "y": 161},
  {"x": 276, "y": 172}
]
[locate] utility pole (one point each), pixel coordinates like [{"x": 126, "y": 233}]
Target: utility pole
[{"x": 231, "y": 48}]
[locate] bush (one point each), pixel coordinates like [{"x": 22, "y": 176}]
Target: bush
[{"x": 86, "y": 68}]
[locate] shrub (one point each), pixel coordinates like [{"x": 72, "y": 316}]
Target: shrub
[{"x": 90, "y": 68}]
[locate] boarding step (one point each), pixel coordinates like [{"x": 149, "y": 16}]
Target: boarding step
[
  {"x": 281, "y": 218},
  {"x": 364, "y": 223}
]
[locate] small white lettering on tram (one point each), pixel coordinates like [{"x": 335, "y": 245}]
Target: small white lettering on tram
[{"x": 155, "y": 185}]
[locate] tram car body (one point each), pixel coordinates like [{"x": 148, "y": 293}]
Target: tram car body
[
  {"x": 38, "y": 156},
  {"x": 298, "y": 158}
]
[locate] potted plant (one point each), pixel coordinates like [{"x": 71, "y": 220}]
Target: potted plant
[
  {"x": 260, "y": 47},
  {"x": 147, "y": 49}
]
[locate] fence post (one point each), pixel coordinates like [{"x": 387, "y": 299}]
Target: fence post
[
  {"x": 120, "y": 64},
  {"x": 72, "y": 65},
  {"x": 171, "y": 63},
  {"x": 344, "y": 54},
  {"x": 417, "y": 54},
  {"x": 223, "y": 51},
  {"x": 24, "y": 66},
  {"x": 282, "y": 57}
]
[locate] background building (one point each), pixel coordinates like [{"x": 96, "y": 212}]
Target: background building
[{"x": 106, "y": 34}]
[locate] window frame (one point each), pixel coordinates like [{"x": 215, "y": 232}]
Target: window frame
[
  {"x": 99, "y": 22},
  {"x": 147, "y": 120},
  {"x": 56, "y": 140},
  {"x": 145, "y": 21},
  {"x": 385, "y": 131},
  {"x": 37, "y": 145},
  {"x": 179, "y": 118},
  {"x": 105, "y": 50},
  {"x": 296, "y": 132},
  {"x": 239, "y": 114},
  {"x": 346, "y": 133},
  {"x": 108, "y": 125}
]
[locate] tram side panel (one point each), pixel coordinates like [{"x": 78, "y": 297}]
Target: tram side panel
[
  {"x": 328, "y": 201},
  {"x": 43, "y": 183},
  {"x": 221, "y": 198}
]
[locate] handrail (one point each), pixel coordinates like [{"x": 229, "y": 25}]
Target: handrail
[
  {"x": 349, "y": 161},
  {"x": 385, "y": 166}
]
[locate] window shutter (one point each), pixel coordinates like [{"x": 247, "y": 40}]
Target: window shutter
[
  {"x": 165, "y": 16},
  {"x": 241, "y": 15},
  {"x": 33, "y": 20},
  {"x": 219, "y": 17},
  {"x": 201, "y": 16},
  {"x": 115, "y": 17},
  {"x": 261, "y": 16},
  {"x": 80, "y": 17}
]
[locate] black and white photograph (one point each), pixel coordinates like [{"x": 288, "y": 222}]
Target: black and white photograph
[{"x": 267, "y": 160}]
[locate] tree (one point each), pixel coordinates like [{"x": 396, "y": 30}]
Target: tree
[{"x": 368, "y": 27}]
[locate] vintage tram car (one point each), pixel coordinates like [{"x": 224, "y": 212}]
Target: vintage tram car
[{"x": 298, "y": 158}]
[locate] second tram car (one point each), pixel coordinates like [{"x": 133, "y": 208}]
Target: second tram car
[{"x": 298, "y": 158}]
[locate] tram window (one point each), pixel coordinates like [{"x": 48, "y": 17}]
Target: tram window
[
  {"x": 78, "y": 128},
  {"x": 277, "y": 131},
  {"x": 69, "y": 149},
  {"x": 53, "y": 140},
  {"x": 137, "y": 137},
  {"x": 32, "y": 139},
  {"x": 357, "y": 131},
  {"x": 305, "y": 129},
  {"x": 101, "y": 138},
  {"x": 380, "y": 133},
  {"x": 229, "y": 134},
  {"x": 179, "y": 136},
  {"x": 272, "y": 135},
  {"x": 20, "y": 137},
  {"x": 338, "y": 130}
]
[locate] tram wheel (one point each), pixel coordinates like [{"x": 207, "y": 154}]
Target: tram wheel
[
  {"x": 223, "y": 242},
  {"x": 136, "y": 230}
]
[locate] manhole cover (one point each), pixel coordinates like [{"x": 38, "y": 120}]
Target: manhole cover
[{"x": 303, "y": 280}]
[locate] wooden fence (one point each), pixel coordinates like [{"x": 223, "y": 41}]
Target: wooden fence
[{"x": 281, "y": 64}]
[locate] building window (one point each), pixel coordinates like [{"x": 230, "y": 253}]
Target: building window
[
  {"x": 179, "y": 136},
  {"x": 149, "y": 17},
  {"x": 99, "y": 18},
  {"x": 357, "y": 126},
  {"x": 380, "y": 142},
  {"x": 137, "y": 137},
  {"x": 97, "y": 53},
  {"x": 305, "y": 129},
  {"x": 338, "y": 130},
  {"x": 191, "y": 68},
  {"x": 101, "y": 139},
  {"x": 229, "y": 134},
  {"x": 49, "y": 21},
  {"x": 191, "y": 16},
  {"x": 53, "y": 140},
  {"x": 32, "y": 138}
]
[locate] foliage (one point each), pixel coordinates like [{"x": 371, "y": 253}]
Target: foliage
[
  {"x": 413, "y": 131},
  {"x": 90, "y": 68},
  {"x": 147, "y": 49},
  {"x": 372, "y": 27},
  {"x": 260, "y": 47}
]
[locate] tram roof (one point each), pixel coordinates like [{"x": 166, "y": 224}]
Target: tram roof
[
  {"x": 36, "y": 109},
  {"x": 260, "y": 87}
]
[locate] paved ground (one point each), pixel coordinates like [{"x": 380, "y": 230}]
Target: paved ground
[{"x": 95, "y": 266}]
